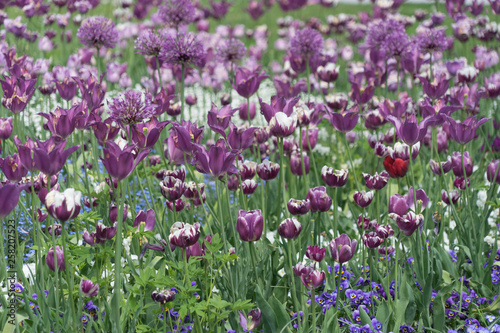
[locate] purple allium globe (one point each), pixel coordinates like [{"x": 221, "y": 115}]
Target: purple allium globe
[
  {"x": 177, "y": 12},
  {"x": 307, "y": 42},
  {"x": 379, "y": 32},
  {"x": 183, "y": 49},
  {"x": 98, "y": 31},
  {"x": 431, "y": 40},
  {"x": 149, "y": 43},
  {"x": 131, "y": 108},
  {"x": 231, "y": 51}
]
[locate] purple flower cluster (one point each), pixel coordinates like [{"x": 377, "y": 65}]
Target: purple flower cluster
[
  {"x": 231, "y": 51},
  {"x": 177, "y": 12},
  {"x": 184, "y": 50},
  {"x": 306, "y": 42},
  {"x": 149, "y": 43},
  {"x": 98, "y": 31},
  {"x": 131, "y": 108}
]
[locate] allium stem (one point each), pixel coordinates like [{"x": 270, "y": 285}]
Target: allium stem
[
  {"x": 159, "y": 73},
  {"x": 182, "y": 90}
]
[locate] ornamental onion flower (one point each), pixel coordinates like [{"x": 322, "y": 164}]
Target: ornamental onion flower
[{"x": 98, "y": 31}]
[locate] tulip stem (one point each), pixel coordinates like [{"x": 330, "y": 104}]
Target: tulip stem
[
  {"x": 302, "y": 164},
  {"x": 294, "y": 288},
  {"x": 351, "y": 162},
  {"x": 69, "y": 275},
  {"x": 118, "y": 252},
  {"x": 248, "y": 113},
  {"x": 313, "y": 306},
  {"x": 254, "y": 259},
  {"x": 338, "y": 298},
  {"x": 282, "y": 180}
]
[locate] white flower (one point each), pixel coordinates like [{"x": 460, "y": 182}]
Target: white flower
[
  {"x": 453, "y": 224},
  {"x": 490, "y": 240}
]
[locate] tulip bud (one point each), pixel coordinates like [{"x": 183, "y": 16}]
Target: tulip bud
[
  {"x": 342, "y": 248},
  {"x": 250, "y": 225},
  {"x": 445, "y": 166},
  {"x": 248, "y": 187},
  {"x": 184, "y": 234},
  {"x": 337, "y": 178},
  {"x": 56, "y": 229},
  {"x": 163, "y": 296},
  {"x": 363, "y": 198},
  {"x": 313, "y": 280},
  {"x": 319, "y": 199},
  {"x": 233, "y": 183},
  {"x": 453, "y": 198},
  {"x": 296, "y": 164},
  {"x": 172, "y": 188},
  {"x": 268, "y": 170},
  {"x": 377, "y": 181},
  {"x": 290, "y": 228},
  {"x": 52, "y": 257},
  {"x": 365, "y": 223},
  {"x": 372, "y": 240},
  {"x": 458, "y": 168},
  {"x": 493, "y": 172},
  {"x": 5, "y": 128},
  {"x": 113, "y": 213},
  {"x": 298, "y": 207}
]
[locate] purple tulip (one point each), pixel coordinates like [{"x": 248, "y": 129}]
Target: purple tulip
[
  {"x": 290, "y": 228},
  {"x": 88, "y": 289},
  {"x": 243, "y": 111},
  {"x": 163, "y": 296},
  {"x": 52, "y": 257},
  {"x": 301, "y": 269},
  {"x": 268, "y": 170},
  {"x": 452, "y": 199},
  {"x": 184, "y": 234},
  {"x": 361, "y": 95},
  {"x": 49, "y": 157},
  {"x": 319, "y": 199},
  {"x": 436, "y": 89},
  {"x": 282, "y": 125},
  {"x": 493, "y": 172},
  {"x": 249, "y": 225},
  {"x": 12, "y": 168},
  {"x": 384, "y": 231},
  {"x": 218, "y": 120},
  {"x": 314, "y": 280},
  {"x": 172, "y": 188},
  {"x": 106, "y": 130},
  {"x": 55, "y": 229},
  {"x": 66, "y": 88},
  {"x": 298, "y": 207},
  {"x": 372, "y": 240},
  {"x": 248, "y": 169},
  {"x": 216, "y": 161},
  {"x": 5, "y": 128},
  {"x": 145, "y": 217},
  {"x": 337, "y": 178},
  {"x": 146, "y": 134},
  {"x": 408, "y": 223},
  {"x": 178, "y": 204},
  {"x": 315, "y": 253},
  {"x": 444, "y": 166},
  {"x": 194, "y": 250},
  {"x": 247, "y": 82},
  {"x": 251, "y": 321},
  {"x": 463, "y": 132},
  {"x": 240, "y": 139},
  {"x": 248, "y": 186},
  {"x": 296, "y": 163},
  {"x": 458, "y": 168},
  {"x": 121, "y": 162},
  {"x": 255, "y": 9},
  {"x": 398, "y": 204},
  {"x": 363, "y": 198},
  {"x": 377, "y": 181},
  {"x": 63, "y": 122},
  {"x": 344, "y": 121},
  {"x": 410, "y": 131},
  {"x": 113, "y": 213},
  {"x": 278, "y": 104},
  {"x": 342, "y": 248},
  {"x": 17, "y": 92},
  {"x": 9, "y": 197},
  {"x": 186, "y": 135},
  {"x": 63, "y": 206},
  {"x": 365, "y": 223},
  {"x": 461, "y": 183}
]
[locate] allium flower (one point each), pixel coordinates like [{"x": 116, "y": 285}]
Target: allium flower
[
  {"x": 231, "y": 51},
  {"x": 177, "y": 12},
  {"x": 98, "y": 31},
  {"x": 183, "y": 49},
  {"x": 149, "y": 43},
  {"x": 431, "y": 40},
  {"x": 306, "y": 42},
  {"x": 131, "y": 108}
]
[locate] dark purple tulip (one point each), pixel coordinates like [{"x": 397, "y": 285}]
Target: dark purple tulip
[
  {"x": 92, "y": 91},
  {"x": 298, "y": 207},
  {"x": 249, "y": 225},
  {"x": 179, "y": 173},
  {"x": 384, "y": 231},
  {"x": 372, "y": 240},
  {"x": 240, "y": 139},
  {"x": 191, "y": 100},
  {"x": 185, "y": 135},
  {"x": 377, "y": 181},
  {"x": 268, "y": 170},
  {"x": 246, "y": 82},
  {"x": 398, "y": 204},
  {"x": 106, "y": 130},
  {"x": 216, "y": 161},
  {"x": 9, "y": 197},
  {"x": 178, "y": 204},
  {"x": 458, "y": 168},
  {"x": 337, "y": 101},
  {"x": 386, "y": 250},
  {"x": 452, "y": 199},
  {"x": 290, "y": 228},
  {"x": 88, "y": 289},
  {"x": 145, "y": 217},
  {"x": 243, "y": 111},
  {"x": 410, "y": 131},
  {"x": 316, "y": 253},
  {"x": 218, "y": 120},
  {"x": 309, "y": 139},
  {"x": 365, "y": 223},
  {"x": 408, "y": 223},
  {"x": 248, "y": 169},
  {"x": 172, "y": 153},
  {"x": 296, "y": 163},
  {"x": 63, "y": 206},
  {"x": 394, "y": 108},
  {"x": 314, "y": 280},
  {"x": 251, "y": 321},
  {"x": 233, "y": 183},
  {"x": 163, "y": 296},
  {"x": 5, "y": 128},
  {"x": 342, "y": 248},
  {"x": 460, "y": 183},
  {"x": 66, "y": 88},
  {"x": 248, "y": 186},
  {"x": 194, "y": 250},
  {"x": 445, "y": 166},
  {"x": 113, "y": 213},
  {"x": 334, "y": 178},
  {"x": 435, "y": 89},
  {"x": 52, "y": 257},
  {"x": 62, "y": 122},
  {"x": 493, "y": 172},
  {"x": 184, "y": 234},
  {"x": 145, "y": 135},
  {"x": 17, "y": 93},
  {"x": 374, "y": 119},
  {"x": 465, "y": 131},
  {"x": 361, "y": 95},
  {"x": 344, "y": 121},
  {"x": 89, "y": 238},
  {"x": 301, "y": 269},
  {"x": 290, "y": 5},
  {"x": 12, "y": 168},
  {"x": 121, "y": 162},
  {"x": 56, "y": 229},
  {"x": 172, "y": 188},
  {"x": 278, "y": 104},
  {"x": 163, "y": 101},
  {"x": 328, "y": 73},
  {"x": 363, "y": 198},
  {"x": 255, "y": 9},
  {"x": 319, "y": 199},
  {"x": 49, "y": 157}
]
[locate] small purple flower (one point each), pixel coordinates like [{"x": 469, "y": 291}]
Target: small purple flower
[
  {"x": 251, "y": 321},
  {"x": 377, "y": 181},
  {"x": 363, "y": 198},
  {"x": 463, "y": 132},
  {"x": 88, "y": 289},
  {"x": 184, "y": 50},
  {"x": 342, "y": 249},
  {"x": 306, "y": 42},
  {"x": 145, "y": 217},
  {"x": 290, "y": 228},
  {"x": 53, "y": 256},
  {"x": 319, "y": 200},
  {"x": 184, "y": 234},
  {"x": 131, "y": 108},
  {"x": 334, "y": 178},
  {"x": 250, "y": 225},
  {"x": 231, "y": 51},
  {"x": 177, "y": 12},
  {"x": 431, "y": 40},
  {"x": 98, "y": 31},
  {"x": 315, "y": 253}
]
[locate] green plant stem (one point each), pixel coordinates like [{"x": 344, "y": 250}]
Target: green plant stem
[
  {"x": 182, "y": 91},
  {"x": 348, "y": 149},
  {"x": 158, "y": 67},
  {"x": 282, "y": 178},
  {"x": 313, "y": 306},
  {"x": 118, "y": 257}
]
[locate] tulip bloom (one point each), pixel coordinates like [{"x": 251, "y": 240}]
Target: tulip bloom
[
  {"x": 313, "y": 280},
  {"x": 250, "y": 225},
  {"x": 218, "y": 120},
  {"x": 290, "y": 228},
  {"x": 12, "y": 168},
  {"x": 246, "y": 82},
  {"x": 396, "y": 168},
  {"x": 9, "y": 197},
  {"x": 5, "y": 128},
  {"x": 344, "y": 121},
  {"x": 63, "y": 206},
  {"x": 17, "y": 93},
  {"x": 444, "y": 166},
  {"x": 493, "y": 172},
  {"x": 216, "y": 161},
  {"x": 163, "y": 296},
  {"x": 50, "y": 157},
  {"x": 53, "y": 256},
  {"x": 268, "y": 170},
  {"x": 410, "y": 131},
  {"x": 88, "y": 289},
  {"x": 408, "y": 223},
  {"x": 372, "y": 240},
  {"x": 363, "y": 199},
  {"x": 121, "y": 162},
  {"x": 145, "y": 217},
  {"x": 184, "y": 234},
  {"x": 342, "y": 248},
  {"x": 251, "y": 321},
  {"x": 315, "y": 253},
  {"x": 337, "y": 178},
  {"x": 320, "y": 201},
  {"x": 377, "y": 181},
  {"x": 465, "y": 131},
  {"x": 298, "y": 207}
]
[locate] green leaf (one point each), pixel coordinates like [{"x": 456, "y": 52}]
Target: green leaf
[
  {"x": 282, "y": 316},
  {"x": 438, "y": 314},
  {"x": 411, "y": 308},
  {"x": 268, "y": 315},
  {"x": 332, "y": 323}
]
